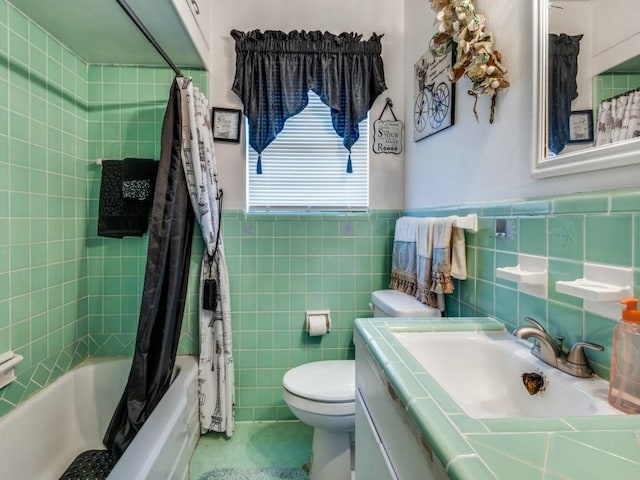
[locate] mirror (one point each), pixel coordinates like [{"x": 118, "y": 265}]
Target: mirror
[{"x": 606, "y": 56}]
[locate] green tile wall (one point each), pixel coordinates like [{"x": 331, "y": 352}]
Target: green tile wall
[
  {"x": 607, "y": 85},
  {"x": 126, "y": 109},
  {"x": 43, "y": 205},
  {"x": 279, "y": 267},
  {"x": 66, "y": 293},
  {"x": 600, "y": 227}
]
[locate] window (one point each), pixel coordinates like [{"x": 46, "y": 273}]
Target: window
[{"x": 305, "y": 167}]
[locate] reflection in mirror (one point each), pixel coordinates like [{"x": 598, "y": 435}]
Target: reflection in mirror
[
  {"x": 588, "y": 81},
  {"x": 617, "y": 103},
  {"x": 562, "y": 56}
]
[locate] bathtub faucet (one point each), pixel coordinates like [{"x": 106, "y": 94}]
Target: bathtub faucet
[{"x": 549, "y": 350}]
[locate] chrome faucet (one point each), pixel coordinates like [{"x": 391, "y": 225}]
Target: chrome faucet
[{"x": 549, "y": 350}]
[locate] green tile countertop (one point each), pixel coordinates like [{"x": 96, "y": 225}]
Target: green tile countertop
[{"x": 580, "y": 448}]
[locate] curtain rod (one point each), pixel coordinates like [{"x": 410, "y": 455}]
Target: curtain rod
[
  {"x": 629, "y": 92},
  {"x": 132, "y": 15}
]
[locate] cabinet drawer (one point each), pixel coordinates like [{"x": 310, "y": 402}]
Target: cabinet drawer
[{"x": 372, "y": 461}]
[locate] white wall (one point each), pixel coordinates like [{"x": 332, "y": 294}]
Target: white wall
[
  {"x": 475, "y": 162},
  {"x": 617, "y": 44},
  {"x": 337, "y": 16}
]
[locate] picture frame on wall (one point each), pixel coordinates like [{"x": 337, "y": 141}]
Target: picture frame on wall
[
  {"x": 434, "y": 94},
  {"x": 225, "y": 123},
  {"x": 581, "y": 126}
]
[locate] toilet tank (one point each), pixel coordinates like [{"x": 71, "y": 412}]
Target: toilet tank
[{"x": 392, "y": 303}]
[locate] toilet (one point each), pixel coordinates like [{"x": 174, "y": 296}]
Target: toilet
[
  {"x": 322, "y": 395},
  {"x": 392, "y": 303}
]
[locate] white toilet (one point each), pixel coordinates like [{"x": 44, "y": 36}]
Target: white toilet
[
  {"x": 322, "y": 394},
  {"x": 392, "y": 303}
]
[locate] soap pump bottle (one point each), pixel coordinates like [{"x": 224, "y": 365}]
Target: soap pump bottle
[{"x": 624, "y": 381}]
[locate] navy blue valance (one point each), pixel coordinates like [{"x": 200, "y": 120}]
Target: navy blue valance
[{"x": 275, "y": 71}]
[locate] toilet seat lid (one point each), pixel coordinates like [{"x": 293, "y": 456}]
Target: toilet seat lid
[{"x": 324, "y": 381}]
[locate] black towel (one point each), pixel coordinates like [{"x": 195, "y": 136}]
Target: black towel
[
  {"x": 138, "y": 178},
  {"x": 118, "y": 217}
]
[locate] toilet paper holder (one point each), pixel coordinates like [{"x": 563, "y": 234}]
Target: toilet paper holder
[{"x": 315, "y": 319}]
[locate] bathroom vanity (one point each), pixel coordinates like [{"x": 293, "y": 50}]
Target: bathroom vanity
[
  {"x": 408, "y": 426},
  {"x": 389, "y": 445}
]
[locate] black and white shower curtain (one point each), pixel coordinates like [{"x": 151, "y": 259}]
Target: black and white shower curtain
[
  {"x": 215, "y": 373},
  {"x": 619, "y": 118}
]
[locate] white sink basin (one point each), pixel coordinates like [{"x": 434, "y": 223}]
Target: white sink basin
[{"x": 482, "y": 372}]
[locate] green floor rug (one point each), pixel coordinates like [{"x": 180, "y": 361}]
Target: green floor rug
[{"x": 269, "y": 473}]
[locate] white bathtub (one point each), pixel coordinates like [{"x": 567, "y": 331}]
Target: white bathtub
[{"x": 40, "y": 438}]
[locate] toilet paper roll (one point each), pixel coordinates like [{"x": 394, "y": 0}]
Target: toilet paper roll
[{"x": 318, "y": 324}]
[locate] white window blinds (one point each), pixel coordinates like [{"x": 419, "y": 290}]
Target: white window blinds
[{"x": 304, "y": 168}]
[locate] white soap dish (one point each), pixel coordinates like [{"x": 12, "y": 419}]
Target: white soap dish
[
  {"x": 519, "y": 275},
  {"x": 530, "y": 274},
  {"x": 601, "y": 288},
  {"x": 593, "y": 291}
]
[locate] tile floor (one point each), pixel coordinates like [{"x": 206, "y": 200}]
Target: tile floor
[{"x": 283, "y": 444}]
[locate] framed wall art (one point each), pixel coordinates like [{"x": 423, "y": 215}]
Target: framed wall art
[
  {"x": 434, "y": 95},
  {"x": 226, "y": 123},
  {"x": 581, "y": 126}
]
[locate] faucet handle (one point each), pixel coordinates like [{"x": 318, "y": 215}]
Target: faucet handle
[
  {"x": 576, "y": 353},
  {"x": 535, "y": 323}
]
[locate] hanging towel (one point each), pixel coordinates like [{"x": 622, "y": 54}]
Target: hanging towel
[
  {"x": 442, "y": 255},
  {"x": 427, "y": 254},
  {"x": 441, "y": 281},
  {"x": 403, "y": 261},
  {"x": 118, "y": 217},
  {"x": 425, "y": 261},
  {"x": 458, "y": 254},
  {"x": 138, "y": 178}
]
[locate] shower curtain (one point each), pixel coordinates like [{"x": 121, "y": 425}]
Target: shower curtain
[
  {"x": 165, "y": 288},
  {"x": 215, "y": 373},
  {"x": 619, "y": 118}
]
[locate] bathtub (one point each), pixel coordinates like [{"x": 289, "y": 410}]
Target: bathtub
[{"x": 41, "y": 437}]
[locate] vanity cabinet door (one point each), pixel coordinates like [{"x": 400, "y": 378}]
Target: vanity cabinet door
[
  {"x": 372, "y": 461},
  {"x": 408, "y": 452}
]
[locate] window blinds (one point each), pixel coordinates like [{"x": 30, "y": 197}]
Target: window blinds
[{"x": 304, "y": 167}]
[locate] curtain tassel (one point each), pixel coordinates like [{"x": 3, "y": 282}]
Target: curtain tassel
[
  {"x": 259, "y": 165},
  {"x": 349, "y": 165}
]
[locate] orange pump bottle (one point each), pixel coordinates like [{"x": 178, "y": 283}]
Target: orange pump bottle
[{"x": 624, "y": 381}]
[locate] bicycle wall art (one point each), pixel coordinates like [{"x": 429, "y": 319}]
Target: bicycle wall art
[{"x": 434, "y": 95}]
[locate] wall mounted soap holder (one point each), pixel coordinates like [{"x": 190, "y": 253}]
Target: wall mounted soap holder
[
  {"x": 601, "y": 288},
  {"x": 8, "y": 361},
  {"x": 530, "y": 274}
]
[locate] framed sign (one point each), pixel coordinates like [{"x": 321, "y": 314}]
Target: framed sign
[
  {"x": 434, "y": 95},
  {"x": 225, "y": 123},
  {"x": 581, "y": 126},
  {"x": 387, "y": 134}
]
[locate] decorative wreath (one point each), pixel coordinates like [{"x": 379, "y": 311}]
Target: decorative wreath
[{"x": 476, "y": 58}]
